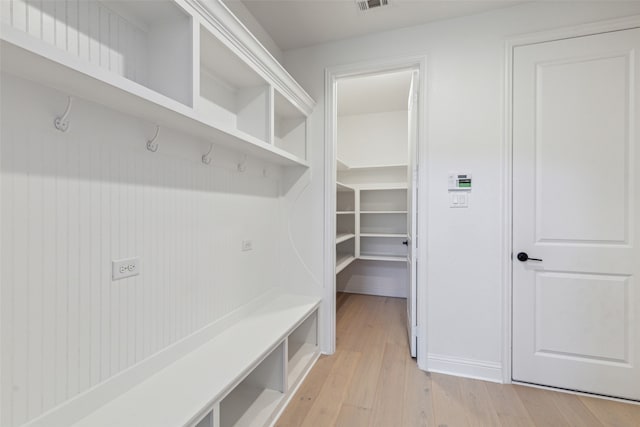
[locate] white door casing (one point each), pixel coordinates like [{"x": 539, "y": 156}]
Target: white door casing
[
  {"x": 412, "y": 212},
  {"x": 576, "y": 202}
]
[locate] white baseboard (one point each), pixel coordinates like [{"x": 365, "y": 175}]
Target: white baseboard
[{"x": 468, "y": 368}]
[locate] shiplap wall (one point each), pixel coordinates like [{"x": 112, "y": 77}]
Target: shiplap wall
[
  {"x": 86, "y": 29},
  {"x": 72, "y": 202}
]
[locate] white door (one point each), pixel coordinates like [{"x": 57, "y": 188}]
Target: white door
[
  {"x": 576, "y": 207},
  {"x": 412, "y": 214}
]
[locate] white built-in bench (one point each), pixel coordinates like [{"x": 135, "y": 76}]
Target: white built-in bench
[{"x": 241, "y": 377}]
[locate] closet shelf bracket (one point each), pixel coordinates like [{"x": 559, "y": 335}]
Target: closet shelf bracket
[
  {"x": 152, "y": 144},
  {"x": 62, "y": 123}
]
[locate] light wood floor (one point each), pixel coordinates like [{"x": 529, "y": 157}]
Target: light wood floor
[{"x": 372, "y": 381}]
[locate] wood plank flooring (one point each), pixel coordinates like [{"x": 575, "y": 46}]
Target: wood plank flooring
[{"x": 372, "y": 381}]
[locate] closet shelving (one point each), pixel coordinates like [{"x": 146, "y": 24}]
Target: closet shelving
[
  {"x": 346, "y": 226},
  {"x": 379, "y": 227},
  {"x": 187, "y": 65},
  {"x": 383, "y": 222}
]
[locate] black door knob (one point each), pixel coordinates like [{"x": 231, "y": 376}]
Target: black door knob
[
  {"x": 523, "y": 256},
  {"x": 405, "y": 242}
]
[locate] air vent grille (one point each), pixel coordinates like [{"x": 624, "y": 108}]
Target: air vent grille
[{"x": 364, "y": 5}]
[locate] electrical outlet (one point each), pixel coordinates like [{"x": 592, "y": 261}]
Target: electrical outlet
[
  {"x": 247, "y": 245},
  {"x": 121, "y": 269}
]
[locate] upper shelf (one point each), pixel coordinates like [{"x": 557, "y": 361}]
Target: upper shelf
[
  {"x": 343, "y": 166},
  {"x": 148, "y": 66},
  {"x": 343, "y": 187}
]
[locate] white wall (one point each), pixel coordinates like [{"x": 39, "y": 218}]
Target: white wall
[
  {"x": 373, "y": 139},
  {"x": 465, "y": 133},
  {"x": 71, "y": 202},
  {"x": 250, "y": 21}
]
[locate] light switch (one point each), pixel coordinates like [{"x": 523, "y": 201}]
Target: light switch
[{"x": 459, "y": 199}]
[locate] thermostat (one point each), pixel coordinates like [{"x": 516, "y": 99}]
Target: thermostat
[{"x": 459, "y": 182}]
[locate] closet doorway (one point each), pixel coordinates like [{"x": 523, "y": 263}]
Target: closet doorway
[{"x": 374, "y": 178}]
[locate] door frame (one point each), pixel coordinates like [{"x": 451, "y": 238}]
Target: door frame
[
  {"x": 332, "y": 75},
  {"x": 507, "y": 162}
]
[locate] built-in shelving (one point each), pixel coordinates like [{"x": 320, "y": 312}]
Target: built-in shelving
[
  {"x": 240, "y": 376},
  {"x": 343, "y": 187},
  {"x": 383, "y": 258},
  {"x": 382, "y": 235},
  {"x": 383, "y": 212},
  {"x": 232, "y": 94},
  {"x": 344, "y": 166},
  {"x": 301, "y": 349},
  {"x": 164, "y": 62},
  {"x": 254, "y": 400},
  {"x": 343, "y": 237},
  {"x": 290, "y": 127},
  {"x": 346, "y": 225},
  {"x": 343, "y": 261}
]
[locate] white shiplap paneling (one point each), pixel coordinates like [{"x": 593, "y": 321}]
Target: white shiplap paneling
[
  {"x": 87, "y": 29},
  {"x": 72, "y": 202}
]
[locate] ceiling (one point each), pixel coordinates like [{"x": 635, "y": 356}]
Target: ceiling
[
  {"x": 374, "y": 94},
  {"x": 300, "y": 23}
]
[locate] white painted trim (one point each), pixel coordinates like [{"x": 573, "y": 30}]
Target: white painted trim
[
  {"x": 328, "y": 339},
  {"x": 578, "y": 393},
  {"x": 507, "y": 164},
  {"x": 331, "y": 76},
  {"x": 468, "y": 368}
]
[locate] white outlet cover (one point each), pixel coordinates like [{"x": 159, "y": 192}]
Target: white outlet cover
[
  {"x": 247, "y": 245},
  {"x": 123, "y": 268}
]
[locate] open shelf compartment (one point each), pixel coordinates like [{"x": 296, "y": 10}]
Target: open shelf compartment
[
  {"x": 290, "y": 126},
  {"x": 129, "y": 39},
  {"x": 383, "y": 224},
  {"x": 254, "y": 400},
  {"x": 302, "y": 347},
  {"x": 345, "y": 201},
  {"x": 383, "y": 199},
  {"x": 382, "y": 246},
  {"x": 232, "y": 95},
  {"x": 345, "y": 254}
]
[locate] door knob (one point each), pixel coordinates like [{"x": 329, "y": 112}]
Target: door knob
[
  {"x": 523, "y": 256},
  {"x": 405, "y": 242}
]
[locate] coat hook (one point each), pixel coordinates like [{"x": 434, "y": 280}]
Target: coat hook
[
  {"x": 206, "y": 158},
  {"x": 242, "y": 166},
  {"x": 62, "y": 123},
  {"x": 152, "y": 144}
]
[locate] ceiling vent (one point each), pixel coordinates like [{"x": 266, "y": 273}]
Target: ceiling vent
[{"x": 364, "y": 5}]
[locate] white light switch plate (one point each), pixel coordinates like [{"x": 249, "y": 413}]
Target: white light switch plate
[
  {"x": 458, "y": 199},
  {"x": 123, "y": 268}
]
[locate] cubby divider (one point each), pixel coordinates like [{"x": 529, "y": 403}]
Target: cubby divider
[
  {"x": 302, "y": 346},
  {"x": 232, "y": 94},
  {"x": 290, "y": 127},
  {"x": 254, "y": 400}
]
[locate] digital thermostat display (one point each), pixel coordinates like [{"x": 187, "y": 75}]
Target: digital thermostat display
[{"x": 459, "y": 181}]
